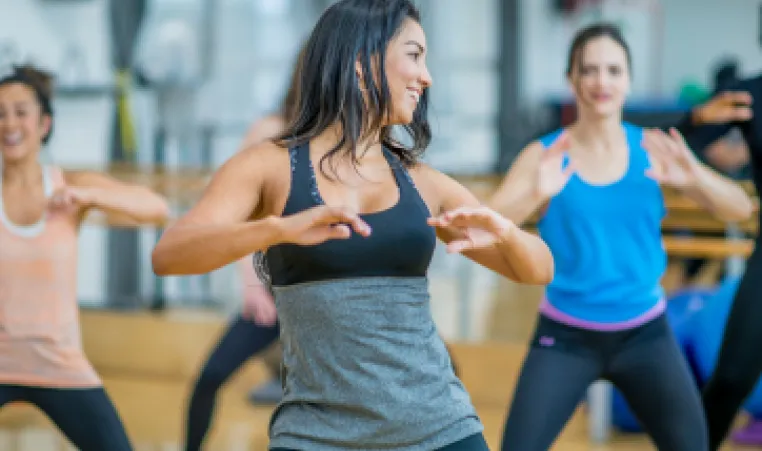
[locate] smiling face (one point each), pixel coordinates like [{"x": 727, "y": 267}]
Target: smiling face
[
  {"x": 406, "y": 73},
  {"x": 23, "y": 126},
  {"x": 600, "y": 77}
]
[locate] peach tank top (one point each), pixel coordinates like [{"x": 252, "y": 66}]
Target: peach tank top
[{"x": 40, "y": 342}]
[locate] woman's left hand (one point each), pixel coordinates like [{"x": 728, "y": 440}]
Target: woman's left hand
[
  {"x": 672, "y": 161},
  {"x": 69, "y": 197},
  {"x": 478, "y": 227}
]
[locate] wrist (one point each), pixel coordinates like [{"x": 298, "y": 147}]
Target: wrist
[
  {"x": 701, "y": 175},
  {"x": 508, "y": 233},
  {"x": 539, "y": 197},
  {"x": 697, "y": 116},
  {"x": 89, "y": 197},
  {"x": 276, "y": 226}
]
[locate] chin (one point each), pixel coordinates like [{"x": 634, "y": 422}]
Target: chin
[
  {"x": 605, "y": 111},
  {"x": 12, "y": 155},
  {"x": 400, "y": 118}
]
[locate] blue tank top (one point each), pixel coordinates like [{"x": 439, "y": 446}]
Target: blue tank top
[{"x": 606, "y": 242}]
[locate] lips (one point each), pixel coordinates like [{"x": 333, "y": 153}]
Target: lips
[
  {"x": 415, "y": 94},
  {"x": 12, "y": 139},
  {"x": 601, "y": 97}
]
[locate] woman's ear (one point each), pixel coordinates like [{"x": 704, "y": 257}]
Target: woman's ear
[{"x": 358, "y": 68}]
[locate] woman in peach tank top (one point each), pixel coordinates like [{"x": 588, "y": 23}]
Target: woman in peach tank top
[{"x": 41, "y": 209}]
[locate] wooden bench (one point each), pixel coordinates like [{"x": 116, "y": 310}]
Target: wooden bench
[{"x": 184, "y": 186}]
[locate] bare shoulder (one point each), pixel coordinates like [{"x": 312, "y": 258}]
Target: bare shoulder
[
  {"x": 266, "y": 167},
  {"x": 440, "y": 191},
  {"x": 531, "y": 152},
  {"x": 263, "y": 129},
  {"x": 526, "y": 161}
]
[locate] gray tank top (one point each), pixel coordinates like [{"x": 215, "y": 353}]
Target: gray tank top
[{"x": 364, "y": 367}]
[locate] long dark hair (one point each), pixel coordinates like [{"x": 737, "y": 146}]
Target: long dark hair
[
  {"x": 41, "y": 83},
  {"x": 329, "y": 89},
  {"x": 587, "y": 34}
]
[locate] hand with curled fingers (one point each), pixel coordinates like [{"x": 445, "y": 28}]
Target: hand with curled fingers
[
  {"x": 478, "y": 227},
  {"x": 552, "y": 176},
  {"x": 69, "y": 198},
  {"x": 672, "y": 161},
  {"x": 728, "y": 106},
  {"x": 259, "y": 305},
  {"x": 319, "y": 224}
]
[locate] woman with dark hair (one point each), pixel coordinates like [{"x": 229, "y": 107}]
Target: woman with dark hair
[
  {"x": 347, "y": 216},
  {"x": 41, "y": 210},
  {"x": 597, "y": 186}
]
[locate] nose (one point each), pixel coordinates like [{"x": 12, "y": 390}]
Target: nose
[
  {"x": 426, "y": 80},
  {"x": 603, "y": 79},
  {"x": 7, "y": 121}
]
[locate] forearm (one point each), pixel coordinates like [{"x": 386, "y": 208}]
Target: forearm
[
  {"x": 138, "y": 203},
  {"x": 721, "y": 196},
  {"x": 247, "y": 271},
  {"x": 527, "y": 257},
  {"x": 520, "y": 207},
  {"x": 199, "y": 249}
]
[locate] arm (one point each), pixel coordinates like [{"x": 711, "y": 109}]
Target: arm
[
  {"x": 263, "y": 129},
  {"x": 515, "y": 254},
  {"x": 258, "y": 304},
  {"x": 712, "y": 120},
  {"x": 219, "y": 229},
  {"x": 673, "y": 163},
  {"x": 518, "y": 196},
  {"x": 93, "y": 190},
  {"x": 719, "y": 195},
  {"x": 535, "y": 177}
]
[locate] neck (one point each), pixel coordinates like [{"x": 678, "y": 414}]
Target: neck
[
  {"x": 602, "y": 133},
  {"x": 27, "y": 171},
  {"x": 366, "y": 147}
]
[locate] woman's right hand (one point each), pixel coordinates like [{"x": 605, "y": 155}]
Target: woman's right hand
[
  {"x": 552, "y": 176},
  {"x": 320, "y": 224}
]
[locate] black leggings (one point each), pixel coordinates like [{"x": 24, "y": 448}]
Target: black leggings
[
  {"x": 473, "y": 443},
  {"x": 739, "y": 363},
  {"x": 644, "y": 363},
  {"x": 85, "y": 416},
  {"x": 242, "y": 340}
]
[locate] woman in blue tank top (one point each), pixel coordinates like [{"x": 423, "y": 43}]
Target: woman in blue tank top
[
  {"x": 348, "y": 218},
  {"x": 596, "y": 186}
]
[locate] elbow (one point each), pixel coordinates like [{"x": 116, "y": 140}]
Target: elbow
[
  {"x": 159, "y": 262},
  {"x": 161, "y": 212},
  {"x": 745, "y": 213},
  {"x": 539, "y": 271},
  {"x": 544, "y": 270},
  {"x": 164, "y": 258},
  {"x": 545, "y": 276},
  {"x": 750, "y": 207},
  {"x": 740, "y": 211},
  {"x": 158, "y": 212}
]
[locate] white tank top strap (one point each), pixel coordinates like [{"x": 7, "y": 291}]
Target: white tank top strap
[{"x": 49, "y": 176}]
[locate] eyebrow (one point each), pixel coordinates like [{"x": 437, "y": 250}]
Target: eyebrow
[{"x": 417, "y": 44}]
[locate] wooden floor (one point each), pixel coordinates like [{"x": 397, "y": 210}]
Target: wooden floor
[
  {"x": 153, "y": 411},
  {"x": 148, "y": 362}
]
